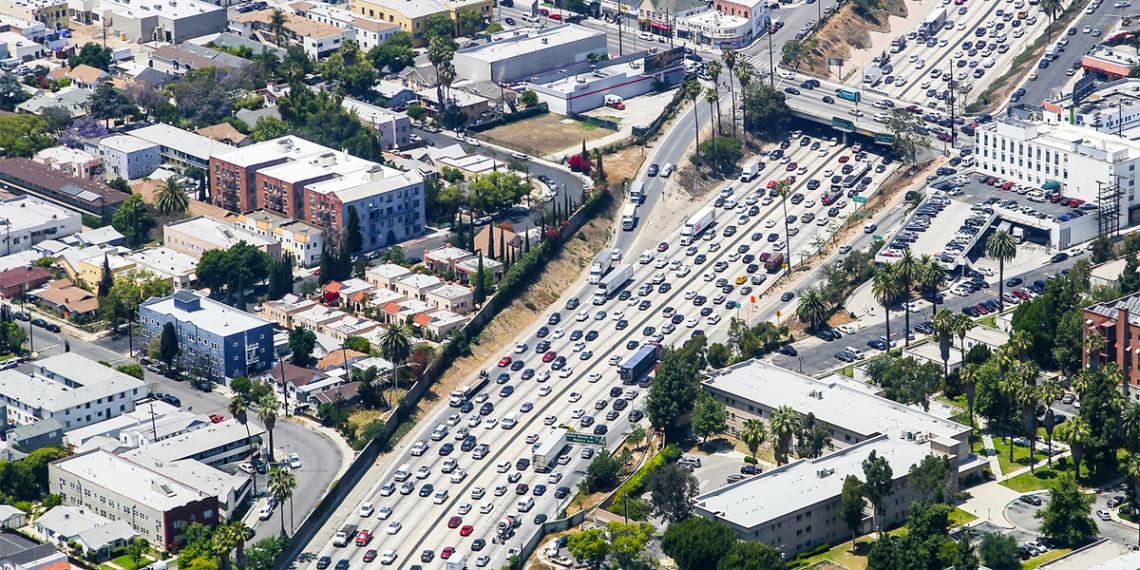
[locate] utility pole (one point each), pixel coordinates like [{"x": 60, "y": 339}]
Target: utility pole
[
  {"x": 771, "y": 66},
  {"x": 619, "y": 18}
]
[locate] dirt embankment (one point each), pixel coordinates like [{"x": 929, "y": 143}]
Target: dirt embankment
[{"x": 850, "y": 28}]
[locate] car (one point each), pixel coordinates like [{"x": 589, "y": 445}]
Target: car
[
  {"x": 427, "y": 555},
  {"x": 394, "y": 527},
  {"x": 294, "y": 461},
  {"x": 787, "y": 296},
  {"x": 478, "y": 544},
  {"x": 466, "y": 530},
  {"x": 1103, "y": 515},
  {"x": 324, "y": 562},
  {"x": 652, "y": 170},
  {"x": 446, "y": 552},
  {"x": 1031, "y": 500},
  {"x": 341, "y": 564}
]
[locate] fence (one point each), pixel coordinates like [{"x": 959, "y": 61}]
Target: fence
[
  {"x": 598, "y": 121},
  {"x": 643, "y": 134}
]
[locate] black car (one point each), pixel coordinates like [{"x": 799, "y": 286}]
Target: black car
[
  {"x": 749, "y": 469},
  {"x": 576, "y": 335},
  {"x": 664, "y": 287},
  {"x": 624, "y": 295},
  {"x": 554, "y": 319},
  {"x": 466, "y": 406},
  {"x": 527, "y": 374},
  {"x": 828, "y": 99},
  {"x": 1013, "y": 282},
  {"x": 540, "y": 518},
  {"x": 446, "y": 449},
  {"x": 522, "y": 464},
  {"x": 562, "y": 492},
  {"x": 342, "y": 564},
  {"x": 787, "y": 296},
  {"x": 792, "y": 91},
  {"x": 468, "y": 443},
  {"x": 510, "y": 21},
  {"x": 324, "y": 562},
  {"x": 172, "y": 400},
  {"x": 615, "y": 392},
  {"x": 788, "y": 350},
  {"x": 648, "y": 331},
  {"x": 39, "y": 322},
  {"x": 636, "y": 415},
  {"x": 700, "y": 259},
  {"x": 503, "y": 378},
  {"x": 757, "y": 236},
  {"x": 543, "y": 332},
  {"x": 486, "y": 409},
  {"x": 601, "y": 429},
  {"x": 653, "y": 168},
  {"x": 52, "y": 327},
  {"x": 517, "y": 365},
  {"x": 506, "y": 391},
  {"x": 591, "y": 335},
  {"x": 427, "y": 490},
  {"x": 1057, "y": 258},
  {"x": 478, "y": 545}
]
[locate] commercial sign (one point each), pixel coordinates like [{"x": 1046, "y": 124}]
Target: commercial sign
[{"x": 664, "y": 60}]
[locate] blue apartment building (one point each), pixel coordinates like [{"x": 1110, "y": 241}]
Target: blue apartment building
[{"x": 234, "y": 342}]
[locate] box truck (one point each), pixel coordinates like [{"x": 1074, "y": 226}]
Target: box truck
[
  {"x": 609, "y": 286},
  {"x": 639, "y": 364},
  {"x": 548, "y": 449},
  {"x": 629, "y": 217},
  {"x": 750, "y": 171},
  {"x": 601, "y": 265},
  {"x": 344, "y": 535},
  {"x": 697, "y": 224}
]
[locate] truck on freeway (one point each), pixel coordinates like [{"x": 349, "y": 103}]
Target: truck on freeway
[
  {"x": 344, "y": 535},
  {"x": 637, "y": 192},
  {"x": 750, "y": 171},
  {"x": 774, "y": 263},
  {"x": 601, "y": 265},
  {"x": 629, "y": 217},
  {"x": 609, "y": 286},
  {"x": 639, "y": 364},
  {"x": 464, "y": 393},
  {"x": 547, "y": 450},
  {"x": 933, "y": 23},
  {"x": 456, "y": 562},
  {"x": 697, "y": 224}
]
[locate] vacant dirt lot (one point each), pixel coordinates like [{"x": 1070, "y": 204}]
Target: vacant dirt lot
[
  {"x": 846, "y": 30},
  {"x": 543, "y": 134}
]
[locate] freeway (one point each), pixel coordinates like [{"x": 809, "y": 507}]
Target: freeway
[{"x": 424, "y": 523}]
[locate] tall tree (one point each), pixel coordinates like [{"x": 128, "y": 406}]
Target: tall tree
[
  {"x": 396, "y": 347},
  {"x": 851, "y": 505},
  {"x": 168, "y": 348},
  {"x": 277, "y": 21},
  {"x": 133, "y": 220},
  {"x": 692, "y": 91},
  {"x": 1001, "y": 247},
  {"x": 302, "y": 341},
  {"x": 672, "y": 489},
  {"x": 354, "y": 239},
  {"x": 1074, "y": 433},
  {"x": 906, "y": 269},
  {"x": 813, "y": 308},
  {"x": 107, "y": 279},
  {"x": 697, "y": 543},
  {"x": 753, "y": 434},
  {"x": 784, "y": 424},
  {"x": 281, "y": 484},
  {"x": 930, "y": 477},
  {"x": 267, "y": 412},
  {"x": 1065, "y": 518},
  {"x": 170, "y": 198},
  {"x": 1131, "y": 470},
  {"x": 746, "y": 555},
  {"x": 879, "y": 480},
  {"x": 730, "y": 58},
  {"x": 886, "y": 289},
  {"x": 709, "y": 417}
]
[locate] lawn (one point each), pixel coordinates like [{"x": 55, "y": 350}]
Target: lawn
[
  {"x": 123, "y": 562},
  {"x": 989, "y": 321},
  {"x": 840, "y": 554},
  {"x": 1045, "y": 478},
  {"x": 543, "y": 134},
  {"x": 1048, "y": 556},
  {"x": 958, "y": 517},
  {"x": 1020, "y": 455}
]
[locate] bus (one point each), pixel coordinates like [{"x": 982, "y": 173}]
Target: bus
[{"x": 848, "y": 94}]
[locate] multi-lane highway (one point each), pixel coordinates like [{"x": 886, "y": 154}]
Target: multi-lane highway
[
  {"x": 682, "y": 295},
  {"x": 1050, "y": 80}
]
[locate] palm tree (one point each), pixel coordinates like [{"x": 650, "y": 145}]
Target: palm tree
[
  {"x": 886, "y": 290},
  {"x": 281, "y": 484},
  {"x": 784, "y": 424},
  {"x": 812, "y": 308},
  {"x": 744, "y": 76},
  {"x": 1028, "y": 397},
  {"x": 1075, "y": 433},
  {"x": 222, "y": 542},
  {"x": 239, "y": 409},
  {"x": 783, "y": 190},
  {"x": 277, "y": 24},
  {"x": 1051, "y": 7},
  {"x": 963, "y": 326},
  {"x": 267, "y": 411},
  {"x": 1001, "y": 247},
  {"x": 396, "y": 346},
  {"x": 713, "y": 67},
  {"x": 692, "y": 93},
  {"x": 1093, "y": 344},
  {"x": 1131, "y": 469},
  {"x": 170, "y": 197},
  {"x": 907, "y": 270},
  {"x": 1050, "y": 391},
  {"x": 932, "y": 276},
  {"x": 1130, "y": 427},
  {"x": 440, "y": 52},
  {"x": 944, "y": 328},
  {"x": 731, "y": 58},
  {"x": 753, "y": 435},
  {"x": 241, "y": 534},
  {"x": 970, "y": 375}
]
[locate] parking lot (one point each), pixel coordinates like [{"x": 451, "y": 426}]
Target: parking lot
[
  {"x": 716, "y": 469},
  {"x": 977, "y": 41},
  {"x": 1022, "y": 515}
]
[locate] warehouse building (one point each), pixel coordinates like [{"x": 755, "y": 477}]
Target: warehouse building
[{"x": 524, "y": 52}]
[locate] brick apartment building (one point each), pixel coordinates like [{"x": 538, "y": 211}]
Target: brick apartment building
[{"x": 1121, "y": 341}]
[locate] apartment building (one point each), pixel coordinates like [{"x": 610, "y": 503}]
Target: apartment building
[
  {"x": 129, "y": 157},
  {"x": 388, "y": 202},
  {"x": 301, "y": 240},
  {"x": 1118, "y": 322},
  {"x": 412, "y": 17},
  {"x": 51, "y": 13},
  {"x": 27, "y": 221},
  {"x": 283, "y": 310},
  {"x": 392, "y": 127},
  {"x": 181, "y": 149},
  {"x": 166, "y": 21},
  {"x": 195, "y": 236},
  {"x": 319, "y": 40},
  {"x": 158, "y": 506},
  {"x": 70, "y": 161},
  {"x": 24, "y": 176},
  {"x": 71, "y": 389},
  {"x": 233, "y": 342},
  {"x": 366, "y": 32}
]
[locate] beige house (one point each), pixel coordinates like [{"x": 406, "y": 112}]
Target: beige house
[
  {"x": 416, "y": 286},
  {"x": 194, "y": 236},
  {"x": 453, "y": 298},
  {"x": 283, "y": 310},
  {"x": 386, "y": 275}
]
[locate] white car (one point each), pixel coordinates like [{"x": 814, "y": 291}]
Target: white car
[
  {"x": 544, "y": 391},
  {"x": 554, "y": 478},
  {"x": 464, "y": 508},
  {"x": 565, "y": 372},
  {"x": 503, "y": 467},
  {"x": 490, "y": 422},
  {"x": 583, "y": 316},
  {"x": 419, "y": 447},
  {"x": 453, "y": 419},
  {"x": 394, "y": 527},
  {"x": 713, "y": 319},
  {"x": 384, "y": 512},
  {"x": 550, "y": 420},
  {"x": 478, "y": 493},
  {"x": 388, "y": 557},
  {"x": 574, "y": 397},
  {"x": 594, "y": 377},
  {"x": 667, "y": 169},
  {"x": 577, "y": 413},
  {"x": 500, "y": 490},
  {"x": 486, "y": 508},
  {"x": 366, "y": 510},
  {"x": 770, "y": 223},
  {"x": 558, "y": 333},
  {"x": 423, "y": 472},
  {"x": 294, "y": 461}
]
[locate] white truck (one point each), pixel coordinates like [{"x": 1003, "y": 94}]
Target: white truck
[
  {"x": 697, "y": 224},
  {"x": 629, "y": 217},
  {"x": 637, "y": 192},
  {"x": 344, "y": 535},
  {"x": 601, "y": 265},
  {"x": 456, "y": 562},
  {"x": 609, "y": 286},
  {"x": 547, "y": 450},
  {"x": 750, "y": 171},
  {"x": 614, "y": 100},
  {"x": 872, "y": 77}
]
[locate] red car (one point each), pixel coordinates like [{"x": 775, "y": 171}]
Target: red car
[
  {"x": 446, "y": 552},
  {"x": 454, "y": 522},
  {"x": 663, "y": 246},
  {"x": 790, "y": 180},
  {"x": 556, "y": 16},
  {"x": 370, "y": 555},
  {"x": 771, "y": 184},
  {"x": 466, "y": 530},
  {"x": 1006, "y": 185},
  {"x": 363, "y": 538},
  {"x": 551, "y": 355},
  {"x": 217, "y": 418},
  {"x": 844, "y": 159},
  {"x": 1076, "y": 202},
  {"x": 505, "y": 361}
]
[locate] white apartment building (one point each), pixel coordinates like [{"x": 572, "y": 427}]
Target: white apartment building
[
  {"x": 299, "y": 239},
  {"x": 366, "y": 32},
  {"x": 169, "y": 21},
  {"x": 73, "y": 390},
  {"x": 27, "y": 220}
]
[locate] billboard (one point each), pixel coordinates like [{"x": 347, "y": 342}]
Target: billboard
[{"x": 667, "y": 59}]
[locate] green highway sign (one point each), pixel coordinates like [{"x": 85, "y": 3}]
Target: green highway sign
[
  {"x": 859, "y": 200},
  {"x": 842, "y": 124},
  {"x": 882, "y": 138},
  {"x": 574, "y": 437}
]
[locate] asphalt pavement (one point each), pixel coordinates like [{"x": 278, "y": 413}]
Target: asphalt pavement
[{"x": 1050, "y": 80}]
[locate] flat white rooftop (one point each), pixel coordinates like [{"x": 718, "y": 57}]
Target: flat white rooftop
[
  {"x": 287, "y": 147},
  {"x": 801, "y": 484},
  {"x": 180, "y": 140},
  {"x": 833, "y": 403},
  {"x": 526, "y": 41},
  {"x": 130, "y": 479}
]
